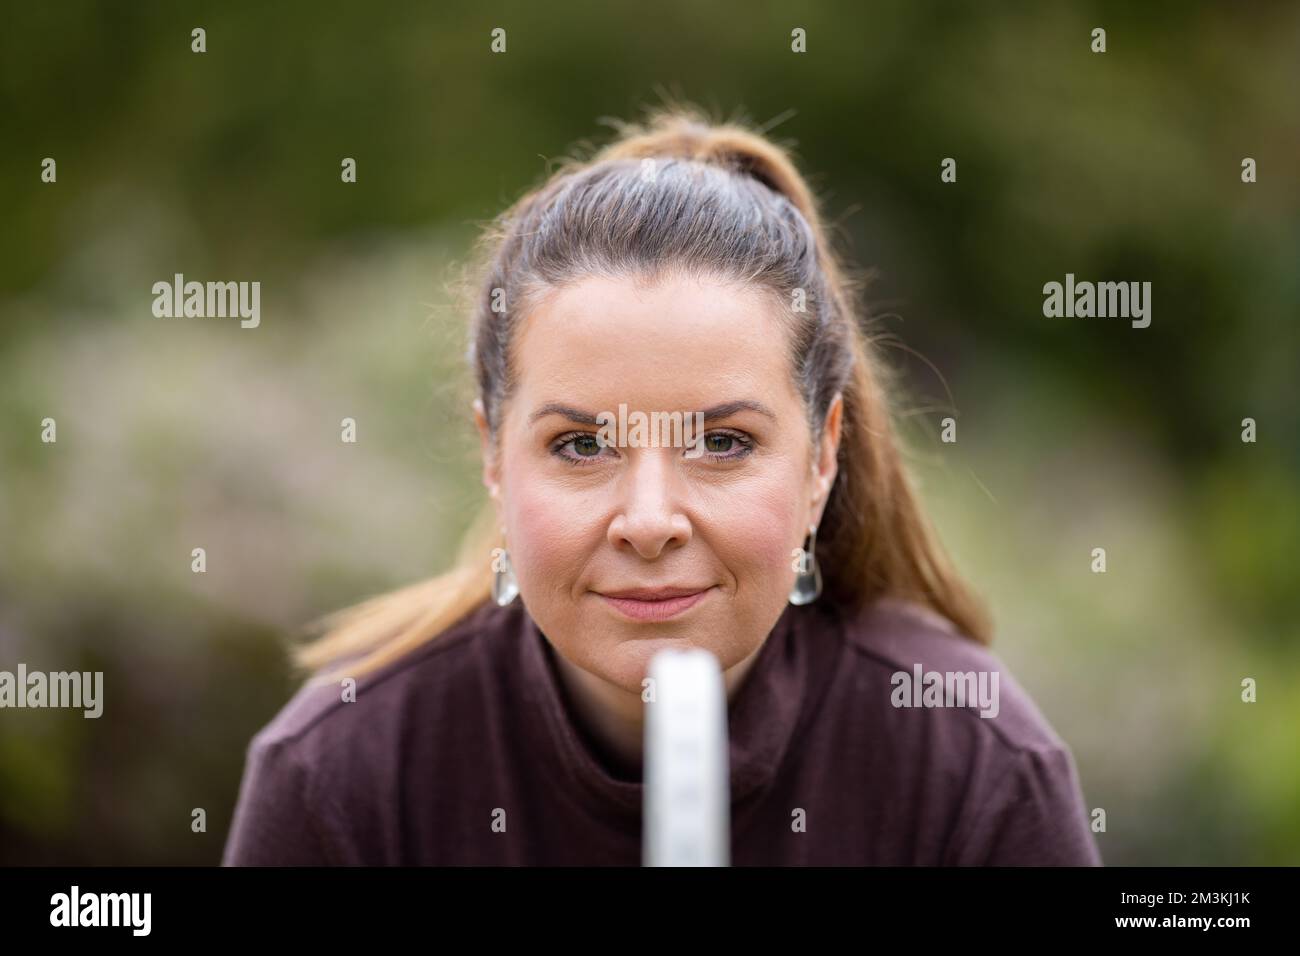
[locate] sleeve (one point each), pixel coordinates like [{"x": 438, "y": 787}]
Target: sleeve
[
  {"x": 1030, "y": 814},
  {"x": 277, "y": 820}
]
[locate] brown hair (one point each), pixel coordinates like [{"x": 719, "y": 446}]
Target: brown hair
[{"x": 683, "y": 193}]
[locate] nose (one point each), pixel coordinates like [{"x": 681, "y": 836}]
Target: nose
[{"x": 648, "y": 518}]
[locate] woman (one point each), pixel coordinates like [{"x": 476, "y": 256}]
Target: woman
[{"x": 494, "y": 714}]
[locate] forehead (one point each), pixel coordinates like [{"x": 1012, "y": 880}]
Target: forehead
[{"x": 681, "y": 342}]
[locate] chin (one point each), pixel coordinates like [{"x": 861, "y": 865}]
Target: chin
[
  {"x": 625, "y": 661},
  {"x": 629, "y": 660}
]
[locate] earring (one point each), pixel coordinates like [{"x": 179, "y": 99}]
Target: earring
[
  {"x": 504, "y": 586},
  {"x": 808, "y": 582}
]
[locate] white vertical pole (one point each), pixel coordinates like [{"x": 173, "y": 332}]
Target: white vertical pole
[{"x": 687, "y": 790}]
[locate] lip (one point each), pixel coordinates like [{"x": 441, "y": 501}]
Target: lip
[{"x": 654, "y": 604}]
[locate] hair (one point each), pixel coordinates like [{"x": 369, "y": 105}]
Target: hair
[{"x": 687, "y": 195}]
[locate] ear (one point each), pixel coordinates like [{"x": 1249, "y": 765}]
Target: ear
[
  {"x": 491, "y": 473},
  {"x": 825, "y": 464}
]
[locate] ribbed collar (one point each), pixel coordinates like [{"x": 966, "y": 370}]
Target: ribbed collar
[{"x": 763, "y": 717}]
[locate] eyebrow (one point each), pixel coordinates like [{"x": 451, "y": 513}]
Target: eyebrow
[{"x": 724, "y": 410}]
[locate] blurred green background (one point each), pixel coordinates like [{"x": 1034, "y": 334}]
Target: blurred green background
[{"x": 1072, "y": 433}]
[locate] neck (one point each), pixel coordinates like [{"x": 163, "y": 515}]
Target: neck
[{"x": 614, "y": 719}]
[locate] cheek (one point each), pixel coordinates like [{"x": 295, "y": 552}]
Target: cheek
[
  {"x": 755, "y": 529},
  {"x": 549, "y": 539}
]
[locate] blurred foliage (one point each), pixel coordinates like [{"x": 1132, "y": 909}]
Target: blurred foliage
[{"x": 1073, "y": 433}]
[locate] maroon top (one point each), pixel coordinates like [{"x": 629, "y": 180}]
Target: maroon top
[{"x": 418, "y": 769}]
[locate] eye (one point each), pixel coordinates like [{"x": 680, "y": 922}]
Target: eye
[
  {"x": 725, "y": 445},
  {"x": 584, "y": 448},
  {"x": 722, "y": 442}
]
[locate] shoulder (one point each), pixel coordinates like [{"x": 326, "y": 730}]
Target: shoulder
[
  {"x": 327, "y": 717},
  {"x": 332, "y": 754},
  {"x": 965, "y": 740},
  {"x": 911, "y": 648}
]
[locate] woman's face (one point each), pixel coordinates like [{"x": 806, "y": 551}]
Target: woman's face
[{"x": 585, "y": 521}]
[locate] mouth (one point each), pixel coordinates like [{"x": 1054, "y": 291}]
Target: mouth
[{"x": 654, "y": 604}]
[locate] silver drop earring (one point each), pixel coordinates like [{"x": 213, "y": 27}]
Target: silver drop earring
[
  {"x": 504, "y": 586},
  {"x": 808, "y": 580}
]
